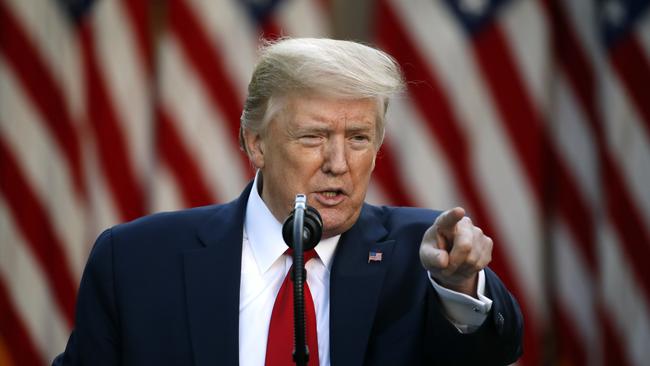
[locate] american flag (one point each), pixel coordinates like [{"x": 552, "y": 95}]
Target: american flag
[
  {"x": 532, "y": 114},
  {"x": 375, "y": 256}
]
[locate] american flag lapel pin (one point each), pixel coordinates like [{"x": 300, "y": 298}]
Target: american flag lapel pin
[{"x": 375, "y": 256}]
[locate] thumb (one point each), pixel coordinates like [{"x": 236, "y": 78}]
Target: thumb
[{"x": 432, "y": 255}]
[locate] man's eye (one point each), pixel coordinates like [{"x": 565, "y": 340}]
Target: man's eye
[
  {"x": 360, "y": 138},
  {"x": 310, "y": 139}
]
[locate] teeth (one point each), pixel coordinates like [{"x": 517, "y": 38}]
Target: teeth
[{"x": 329, "y": 194}]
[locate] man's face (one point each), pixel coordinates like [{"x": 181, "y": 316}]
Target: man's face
[{"x": 324, "y": 148}]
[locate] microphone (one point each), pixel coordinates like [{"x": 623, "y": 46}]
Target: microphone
[
  {"x": 301, "y": 231},
  {"x": 312, "y": 229}
]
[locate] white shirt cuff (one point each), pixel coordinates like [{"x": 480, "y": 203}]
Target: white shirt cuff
[{"x": 465, "y": 312}]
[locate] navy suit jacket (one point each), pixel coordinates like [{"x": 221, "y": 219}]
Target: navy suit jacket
[{"x": 164, "y": 290}]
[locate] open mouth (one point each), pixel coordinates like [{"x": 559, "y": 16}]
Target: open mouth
[{"x": 330, "y": 197}]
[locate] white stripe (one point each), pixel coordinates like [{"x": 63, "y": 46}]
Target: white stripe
[
  {"x": 623, "y": 298},
  {"x": 625, "y": 135},
  {"x": 528, "y": 35},
  {"x": 166, "y": 193},
  {"x": 627, "y": 141},
  {"x": 28, "y": 290},
  {"x": 504, "y": 186},
  {"x": 46, "y": 25},
  {"x": 44, "y": 167},
  {"x": 125, "y": 77},
  {"x": 574, "y": 283},
  {"x": 302, "y": 18},
  {"x": 101, "y": 207},
  {"x": 376, "y": 195},
  {"x": 421, "y": 163},
  {"x": 575, "y": 141},
  {"x": 200, "y": 126},
  {"x": 229, "y": 26}
]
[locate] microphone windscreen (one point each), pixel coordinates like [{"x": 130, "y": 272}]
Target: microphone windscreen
[{"x": 312, "y": 230}]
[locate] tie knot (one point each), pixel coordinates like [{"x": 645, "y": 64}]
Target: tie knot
[{"x": 308, "y": 255}]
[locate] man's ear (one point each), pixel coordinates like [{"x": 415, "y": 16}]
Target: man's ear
[{"x": 255, "y": 147}]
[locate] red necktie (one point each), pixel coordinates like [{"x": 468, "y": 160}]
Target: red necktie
[{"x": 279, "y": 348}]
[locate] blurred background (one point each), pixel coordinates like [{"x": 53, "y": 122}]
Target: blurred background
[{"x": 532, "y": 114}]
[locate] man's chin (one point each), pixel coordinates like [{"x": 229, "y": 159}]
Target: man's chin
[{"x": 333, "y": 226}]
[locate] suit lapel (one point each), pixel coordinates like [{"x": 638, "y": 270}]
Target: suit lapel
[
  {"x": 212, "y": 276},
  {"x": 355, "y": 285}
]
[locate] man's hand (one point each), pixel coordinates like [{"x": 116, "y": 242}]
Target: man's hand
[{"x": 454, "y": 251}]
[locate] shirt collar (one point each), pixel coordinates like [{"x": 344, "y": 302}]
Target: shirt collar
[{"x": 264, "y": 234}]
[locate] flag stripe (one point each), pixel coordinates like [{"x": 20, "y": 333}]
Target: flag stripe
[
  {"x": 613, "y": 353},
  {"x": 198, "y": 124},
  {"x": 21, "y": 349},
  {"x": 36, "y": 227},
  {"x": 570, "y": 349},
  {"x": 40, "y": 85},
  {"x": 428, "y": 179},
  {"x": 270, "y": 30},
  {"x": 530, "y": 140},
  {"x": 110, "y": 141},
  {"x": 496, "y": 61},
  {"x": 208, "y": 64},
  {"x": 619, "y": 204},
  {"x": 390, "y": 178},
  {"x": 138, "y": 13},
  {"x": 184, "y": 169},
  {"x": 633, "y": 68},
  {"x": 515, "y": 107},
  {"x": 44, "y": 166},
  {"x": 443, "y": 126}
]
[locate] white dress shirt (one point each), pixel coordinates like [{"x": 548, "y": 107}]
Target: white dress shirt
[{"x": 264, "y": 268}]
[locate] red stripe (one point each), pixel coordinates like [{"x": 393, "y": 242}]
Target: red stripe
[
  {"x": 31, "y": 217},
  {"x": 207, "y": 61},
  {"x": 530, "y": 140},
  {"x": 621, "y": 209},
  {"x": 443, "y": 125},
  {"x": 270, "y": 29},
  {"x": 29, "y": 67},
  {"x": 633, "y": 68},
  {"x": 111, "y": 145},
  {"x": 14, "y": 333},
  {"x": 178, "y": 159},
  {"x": 138, "y": 12},
  {"x": 569, "y": 345},
  {"x": 390, "y": 178},
  {"x": 613, "y": 352}
]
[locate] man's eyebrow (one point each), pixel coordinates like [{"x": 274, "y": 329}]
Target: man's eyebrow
[
  {"x": 359, "y": 128},
  {"x": 315, "y": 128}
]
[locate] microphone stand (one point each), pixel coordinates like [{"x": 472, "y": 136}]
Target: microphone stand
[{"x": 301, "y": 351}]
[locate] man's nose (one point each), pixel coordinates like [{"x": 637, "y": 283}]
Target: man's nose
[{"x": 335, "y": 159}]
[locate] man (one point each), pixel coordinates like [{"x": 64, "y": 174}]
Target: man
[{"x": 390, "y": 286}]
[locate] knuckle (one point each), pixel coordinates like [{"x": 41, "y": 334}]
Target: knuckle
[
  {"x": 472, "y": 261},
  {"x": 489, "y": 243},
  {"x": 464, "y": 247}
]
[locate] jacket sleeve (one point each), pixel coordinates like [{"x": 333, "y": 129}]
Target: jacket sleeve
[
  {"x": 95, "y": 339},
  {"x": 498, "y": 341}
]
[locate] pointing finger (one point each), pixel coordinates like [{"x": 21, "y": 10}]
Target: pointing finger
[
  {"x": 447, "y": 220},
  {"x": 433, "y": 250}
]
